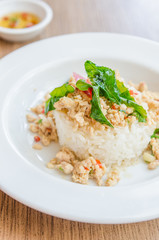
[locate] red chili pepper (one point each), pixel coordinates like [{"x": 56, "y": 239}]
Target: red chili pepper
[
  {"x": 37, "y": 138},
  {"x": 5, "y": 18},
  {"x": 24, "y": 15},
  {"x": 43, "y": 111},
  {"x": 132, "y": 92},
  {"x": 99, "y": 163},
  {"x": 86, "y": 168},
  {"x": 114, "y": 107},
  {"x": 49, "y": 130},
  {"x": 12, "y": 24},
  {"x": 89, "y": 92}
]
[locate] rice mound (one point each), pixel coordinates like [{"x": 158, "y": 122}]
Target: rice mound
[{"x": 111, "y": 146}]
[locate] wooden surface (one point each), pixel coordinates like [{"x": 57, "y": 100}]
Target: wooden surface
[{"x": 135, "y": 17}]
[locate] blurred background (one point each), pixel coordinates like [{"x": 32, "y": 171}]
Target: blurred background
[{"x": 134, "y": 17}]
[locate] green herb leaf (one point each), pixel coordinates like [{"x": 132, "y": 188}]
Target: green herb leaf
[
  {"x": 56, "y": 94},
  {"x": 82, "y": 85},
  {"x": 13, "y": 19},
  {"x": 129, "y": 101},
  {"x": 139, "y": 117},
  {"x": 40, "y": 121},
  {"x": 139, "y": 112},
  {"x": 96, "y": 112},
  {"x": 60, "y": 168},
  {"x": 112, "y": 89},
  {"x": 91, "y": 171},
  {"x": 104, "y": 78},
  {"x": 49, "y": 104},
  {"x": 124, "y": 92},
  {"x": 62, "y": 91},
  {"x": 156, "y": 133}
]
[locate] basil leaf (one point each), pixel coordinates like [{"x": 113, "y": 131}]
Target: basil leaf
[
  {"x": 124, "y": 92},
  {"x": 56, "y": 94},
  {"x": 40, "y": 121},
  {"x": 62, "y": 91},
  {"x": 137, "y": 115},
  {"x": 129, "y": 101},
  {"x": 104, "y": 78},
  {"x": 82, "y": 85},
  {"x": 104, "y": 83},
  {"x": 112, "y": 89},
  {"x": 155, "y": 134},
  {"x": 49, "y": 104},
  {"x": 96, "y": 112},
  {"x": 140, "y": 112}
]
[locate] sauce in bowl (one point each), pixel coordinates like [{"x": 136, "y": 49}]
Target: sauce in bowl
[{"x": 19, "y": 20}]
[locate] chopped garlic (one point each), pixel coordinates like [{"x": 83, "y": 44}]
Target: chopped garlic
[{"x": 148, "y": 157}]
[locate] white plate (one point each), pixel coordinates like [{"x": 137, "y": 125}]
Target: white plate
[{"x": 28, "y": 73}]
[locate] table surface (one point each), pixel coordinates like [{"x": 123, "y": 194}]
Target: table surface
[{"x": 135, "y": 17}]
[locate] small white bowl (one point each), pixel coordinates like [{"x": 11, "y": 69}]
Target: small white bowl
[{"x": 37, "y": 7}]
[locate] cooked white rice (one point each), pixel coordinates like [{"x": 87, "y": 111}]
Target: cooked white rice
[{"x": 110, "y": 146}]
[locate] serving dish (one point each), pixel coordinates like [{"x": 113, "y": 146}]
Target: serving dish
[
  {"x": 40, "y": 8},
  {"x": 23, "y": 172}
]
